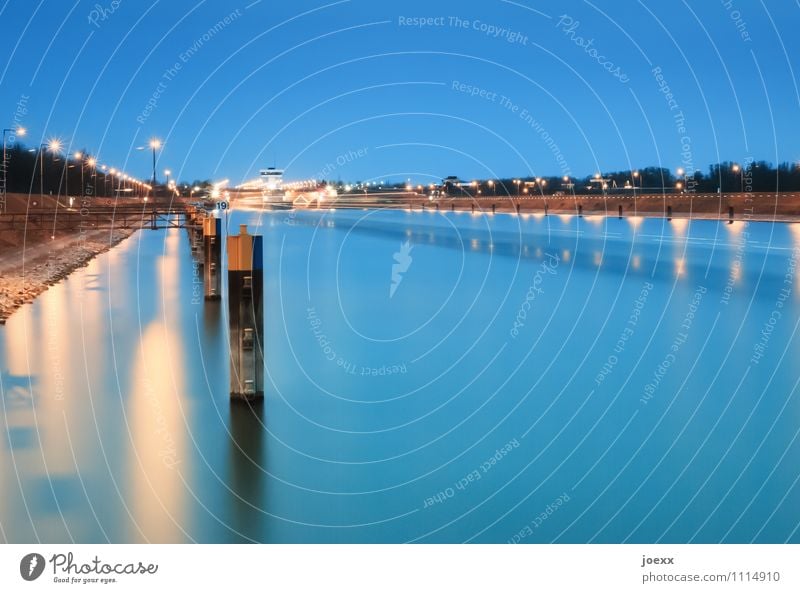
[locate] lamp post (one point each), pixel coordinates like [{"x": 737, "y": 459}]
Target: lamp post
[
  {"x": 67, "y": 167},
  {"x": 53, "y": 146},
  {"x": 167, "y": 173},
  {"x": 635, "y": 175},
  {"x": 79, "y": 156},
  {"x": 105, "y": 180},
  {"x": 155, "y": 144},
  {"x": 737, "y": 169},
  {"x": 18, "y": 132},
  {"x": 92, "y": 162}
]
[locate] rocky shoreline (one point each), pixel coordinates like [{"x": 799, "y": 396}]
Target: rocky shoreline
[{"x": 21, "y": 284}]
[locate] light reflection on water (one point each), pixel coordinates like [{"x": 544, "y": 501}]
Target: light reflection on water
[{"x": 118, "y": 426}]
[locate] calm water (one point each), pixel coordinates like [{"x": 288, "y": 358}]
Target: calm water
[{"x": 526, "y": 379}]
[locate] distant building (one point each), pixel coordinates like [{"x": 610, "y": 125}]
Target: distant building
[
  {"x": 453, "y": 186},
  {"x": 269, "y": 183}
]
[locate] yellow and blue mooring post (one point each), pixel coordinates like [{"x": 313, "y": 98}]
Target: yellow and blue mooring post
[
  {"x": 246, "y": 316},
  {"x": 212, "y": 258}
]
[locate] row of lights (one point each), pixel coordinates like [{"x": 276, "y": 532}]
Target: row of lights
[{"x": 55, "y": 146}]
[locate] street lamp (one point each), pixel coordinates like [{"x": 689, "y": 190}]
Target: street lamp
[
  {"x": 167, "y": 172},
  {"x": 54, "y": 145},
  {"x": 79, "y": 155},
  {"x": 737, "y": 169},
  {"x": 635, "y": 176},
  {"x": 92, "y": 162},
  {"x": 104, "y": 168},
  {"x": 17, "y": 132},
  {"x": 155, "y": 144}
]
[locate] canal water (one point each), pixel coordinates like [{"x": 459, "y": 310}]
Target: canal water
[{"x": 430, "y": 377}]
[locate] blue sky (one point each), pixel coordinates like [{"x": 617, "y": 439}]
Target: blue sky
[{"x": 366, "y": 90}]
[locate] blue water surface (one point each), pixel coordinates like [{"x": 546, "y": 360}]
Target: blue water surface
[{"x": 430, "y": 377}]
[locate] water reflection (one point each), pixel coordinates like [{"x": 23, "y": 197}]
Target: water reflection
[
  {"x": 155, "y": 414},
  {"x": 247, "y": 471},
  {"x": 117, "y": 422}
]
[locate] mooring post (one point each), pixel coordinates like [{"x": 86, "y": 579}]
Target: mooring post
[
  {"x": 246, "y": 317},
  {"x": 619, "y": 209},
  {"x": 669, "y": 212},
  {"x": 517, "y": 208},
  {"x": 580, "y": 209},
  {"x": 492, "y": 208},
  {"x": 730, "y": 214},
  {"x": 212, "y": 258},
  {"x": 545, "y": 208},
  {"x": 452, "y": 207}
]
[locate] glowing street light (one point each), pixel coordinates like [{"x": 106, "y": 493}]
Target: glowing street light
[
  {"x": 92, "y": 162},
  {"x": 737, "y": 169},
  {"x": 155, "y": 144},
  {"x": 54, "y": 146}
]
